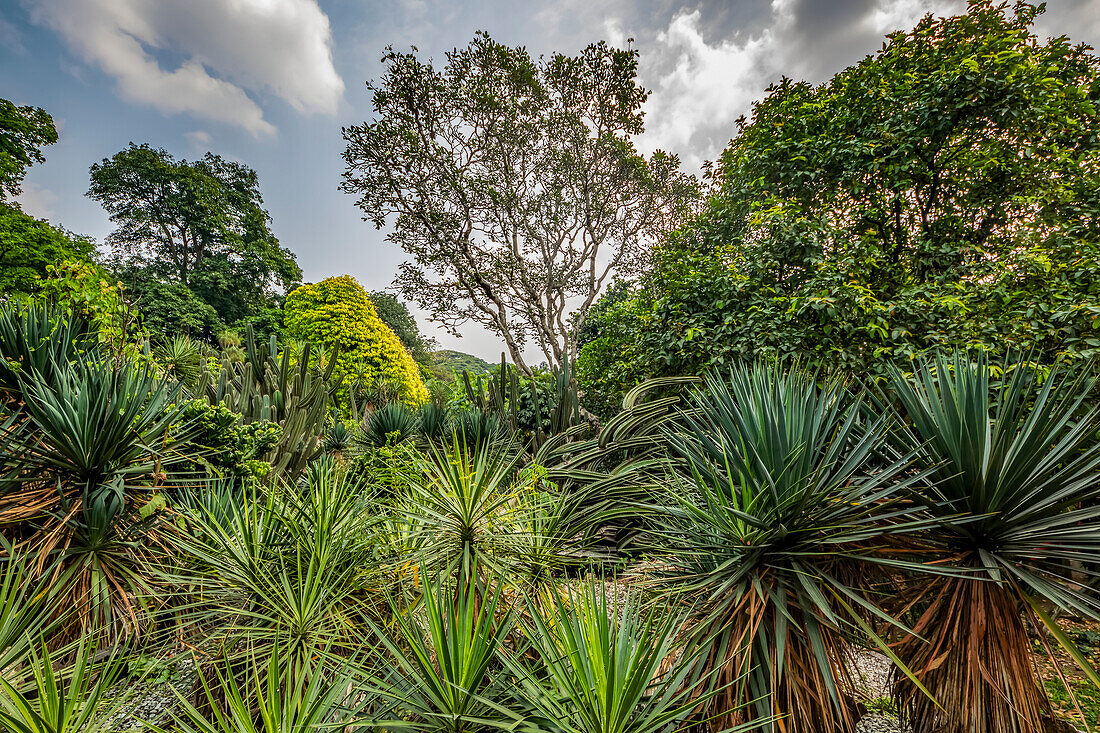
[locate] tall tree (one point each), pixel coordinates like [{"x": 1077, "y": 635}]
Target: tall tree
[
  {"x": 395, "y": 314},
  {"x": 513, "y": 184},
  {"x": 199, "y": 224},
  {"x": 943, "y": 193},
  {"x": 28, "y": 245},
  {"x": 23, "y": 132}
]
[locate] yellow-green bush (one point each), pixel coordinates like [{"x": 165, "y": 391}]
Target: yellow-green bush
[{"x": 338, "y": 312}]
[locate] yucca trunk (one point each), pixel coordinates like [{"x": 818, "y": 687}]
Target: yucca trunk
[
  {"x": 974, "y": 659},
  {"x": 799, "y": 697}
]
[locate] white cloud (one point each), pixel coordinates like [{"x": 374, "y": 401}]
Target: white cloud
[
  {"x": 227, "y": 48},
  {"x": 37, "y": 201},
  {"x": 904, "y": 14},
  {"x": 700, "y": 89},
  {"x": 198, "y": 138}
]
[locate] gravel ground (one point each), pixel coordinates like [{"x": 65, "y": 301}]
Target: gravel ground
[
  {"x": 873, "y": 673},
  {"x": 877, "y": 723},
  {"x": 152, "y": 701}
]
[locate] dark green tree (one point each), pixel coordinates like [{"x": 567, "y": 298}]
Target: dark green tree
[
  {"x": 395, "y": 314},
  {"x": 196, "y": 230},
  {"x": 28, "y": 245},
  {"x": 944, "y": 192},
  {"x": 23, "y": 132}
]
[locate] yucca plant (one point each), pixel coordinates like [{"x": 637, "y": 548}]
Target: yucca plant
[
  {"x": 606, "y": 665},
  {"x": 262, "y": 700},
  {"x": 457, "y": 507},
  {"x": 181, "y": 358},
  {"x": 392, "y": 423},
  {"x": 543, "y": 532},
  {"x": 292, "y": 566},
  {"x": 26, "y": 610},
  {"x": 440, "y": 667},
  {"x": 85, "y": 460},
  {"x": 775, "y": 537},
  {"x": 1014, "y": 491},
  {"x": 38, "y": 339},
  {"x": 48, "y": 697}
]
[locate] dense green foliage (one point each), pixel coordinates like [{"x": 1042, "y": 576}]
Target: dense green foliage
[
  {"x": 23, "y": 132},
  {"x": 941, "y": 193},
  {"x": 877, "y": 428},
  {"x": 193, "y": 240},
  {"x": 458, "y": 362},
  {"x": 28, "y": 246},
  {"x": 395, "y": 314},
  {"x": 337, "y": 313}
]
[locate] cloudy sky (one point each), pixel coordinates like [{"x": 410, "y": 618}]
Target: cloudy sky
[{"x": 271, "y": 82}]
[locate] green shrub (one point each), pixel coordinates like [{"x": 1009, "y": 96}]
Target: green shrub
[{"x": 337, "y": 312}]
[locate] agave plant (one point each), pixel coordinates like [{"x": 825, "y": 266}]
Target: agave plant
[
  {"x": 443, "y": 672},
  {"x": 338, "y": 437},
  {"x": 50, "y": 698},
  {"x": 606, "y": 666},
  {"x": 432, "y": 421},
  {"x": 390, "y": 424},
  {"x": 478, "y": 427},
  {"x": 1014, "y": 487},
  {"x": 775, "y": 541}
]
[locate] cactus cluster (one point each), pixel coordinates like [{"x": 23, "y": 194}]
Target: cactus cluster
[{"x": 282, "y": 386}]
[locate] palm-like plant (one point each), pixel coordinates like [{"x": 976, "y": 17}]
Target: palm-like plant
[
  {"x": 1014, "y": 489},
  {"x": 776, "y": 540},
  {"x": 287, "y": 566},
  {"x": 265, "y": 701},
  {"x": 606, "y": 667},
  {"x": 441, "y": 669},
  {"x": 84, "y": 461},
  {"x": 457, "y": 506},
  {"x": 181, "y": 358},
  {"x": 46, "y": 697}
]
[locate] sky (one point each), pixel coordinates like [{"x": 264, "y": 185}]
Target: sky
[{"x": 271, "y": 82}]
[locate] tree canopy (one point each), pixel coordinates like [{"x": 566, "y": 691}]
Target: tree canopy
[
  {"x": 23, "y": 132},
  {"x": 944, "y": 192},
  {"x": 28, "y": 246},
  {"x": 395, "y": 314},
  {"x": 337, "y": 312},
  {"x": 514, "y": 185},
  {"x": 195, "y": 225}
]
